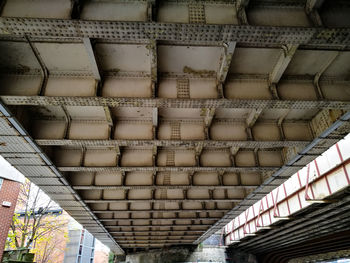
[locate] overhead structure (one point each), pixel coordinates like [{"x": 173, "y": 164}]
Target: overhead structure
[
  {"x": 155, "y": 123},
  {"x": 306, "y": 215}
]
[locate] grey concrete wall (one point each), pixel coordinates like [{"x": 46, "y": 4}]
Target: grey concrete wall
[
  {"x": 180, "y": 255},
  {"x": 236, "y": 256}
]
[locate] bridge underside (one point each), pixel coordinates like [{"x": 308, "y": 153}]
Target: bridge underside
[{"x": 154, "y": 123}]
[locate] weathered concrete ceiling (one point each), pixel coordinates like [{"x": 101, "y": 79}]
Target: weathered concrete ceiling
[{"x": 159, "y": 121}]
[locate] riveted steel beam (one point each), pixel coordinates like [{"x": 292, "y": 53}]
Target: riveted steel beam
[
  {"x": 202, "y": 33},
  {"x": 158, "y": 219},
  {"x": 92, "y": 201},
  {"x": 311, "y": 8},
  {"x": 172, "y": 143},
  {"x": 160, "y": 210},
  {"x": 229, "y": 49},
  {"x": 92, "y": 59},
  {"x": 147, "y": 235},
  {"x": 136, "y": 232},
  {"x": 174, "y": 103},
  {"x": 154, "y": 241},
  {"x": 157, "y": 225},
  {"x": 167, "y": 169},
  {"x": 283, "y": 61},
  {"x": 152, "y": 187}
]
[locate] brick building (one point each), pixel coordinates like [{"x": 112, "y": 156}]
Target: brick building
[{"x": 10, "y": 182}]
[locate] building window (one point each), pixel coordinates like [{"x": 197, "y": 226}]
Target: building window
[{"x": 1, "y": 180}]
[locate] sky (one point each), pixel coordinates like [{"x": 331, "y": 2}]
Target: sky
[{"x": 9, "y": 172}]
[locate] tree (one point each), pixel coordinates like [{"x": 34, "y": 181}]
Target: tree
[{"x": 35, "y": 226}]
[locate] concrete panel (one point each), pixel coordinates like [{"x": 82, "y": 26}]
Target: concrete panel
[
  {"x": 139, "y": 178},
  {"x": 118, "y": 206},
  {"x": 127, "y": 87},
  {"x": 308, "y": 62},
  {"x": 173, "y": 12},
  {"x": 270, "y": 158},
  {"x": 218, "y": 194},
  {"x": 67, "y": 157},
  {"x": 187, "y": 214},
  {"x": 137, "y": 158},
  {"x": 17, "y": 55},
  {"x": 140, "y": 206},
  {"x": 335, "y": 16},
  {"x": 38, "y": 9},
  {"x": 231, "y": 179},
  {"x": 20, "y": 85},
  {"x": 263, "y": 16},
  {"x": 88, "y": 130},
  {"x": 113, "y": 194},
  {"x": 176, "y": 178},
  {"x": 47, "y": 129},
  {"x": 63, "y": 86},
  {"x": 133, "y": 131},
  {"x": 81, "y": 178},
  {"x": 266, "y": 132},
  {"x": 336, "y": 91},
  {"x": 170, "y": 194},
  {"x": 228, "y": 131},
  {"x": 64, "y": 56},
  {"x": 99, "y": 206},
  {"x": 203, "y": 89},
  {"x": 182, "y": 158},
  {"x": 254, "y": 60},
  {"x": 245, "y": 158},
  {"x": 241, "y": 89},
  {"x": 215, "y": 158},
  {"x": 105, "y": 216},
  {"x": 206, "y": 178},
  {"x": 235, "y": 193},
  {"x": 301, "y": 115},
  {"x": 108, "y": 178},
  {"x": 189, "y": 59},
  {"x": 296, "y": 91},
  {"x": 140, "y": 215},
  {"x": 95, "y": 157},
  {"x": 191, "y": 205},
  {"x": 198, "y": 88},
  {"x": 224, "y": 205},
  {"x": 220, "y": 14},
  {"x": 114, "y": 11},
  {"x": 188, "y": 131},
  {"x": 340, "y": 66},
  {"x": 297, "y": 131},
  {"x": 250, "y": 179},
  {"x": 198, "y": 194},
  {"x": 140, "y": 194},
  {"x": 167, "y": 88},
  {"x": 167, "y": 205},
  {"x": 115, "y": 58},
  {"x": 90, "y": 194}
]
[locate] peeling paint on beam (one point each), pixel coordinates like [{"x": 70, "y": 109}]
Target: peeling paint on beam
[{"x": 173, "y": 103}]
